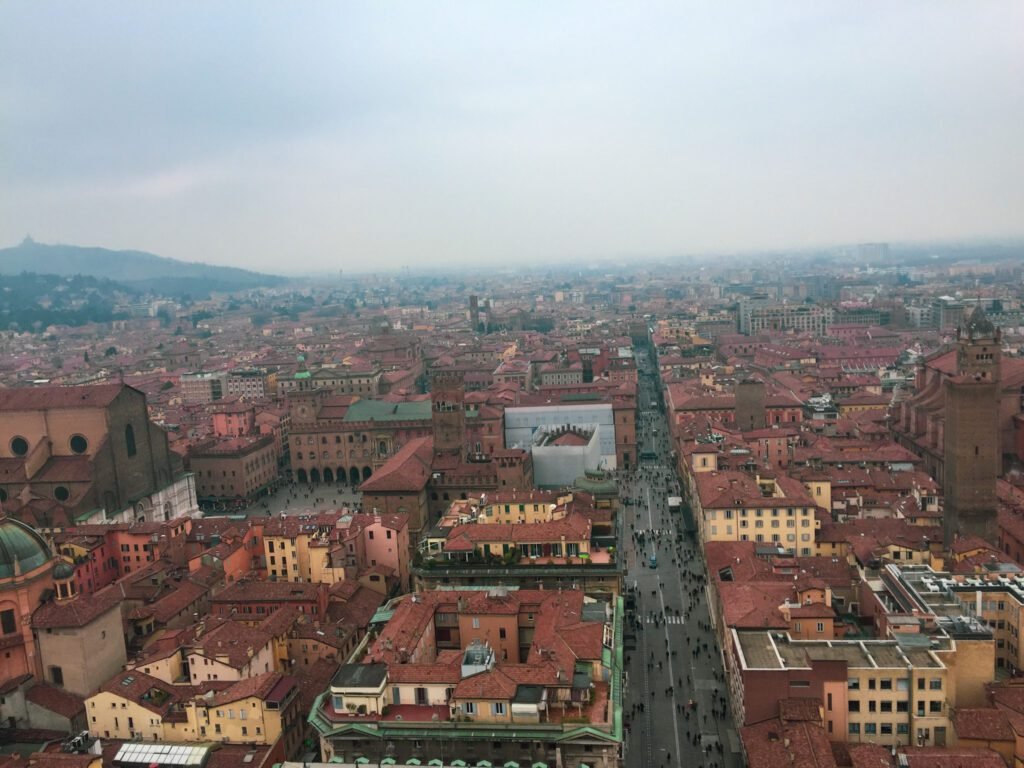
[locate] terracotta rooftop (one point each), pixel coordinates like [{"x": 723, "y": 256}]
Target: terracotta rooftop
[
  {"x": 139, "y": 687},
  {"x": 232, "y": 643},
  {"x": 951, "y": 757},
  {"x": 79, "y": 612},
  {"x": 805, "y": 710},
  {"x": 269, "y": 686},
  {"x": 58, "y": 700},
  {"x": 572, "y": 527},
  {"x": 985, "y": 724},
  {"x": 408, "y": 470},
  {"x": 869, "y": 756},
  {"x": 40, "y": 398},
  {"x": 255, "y": 591},
  {"x": 794, "y": 745}
]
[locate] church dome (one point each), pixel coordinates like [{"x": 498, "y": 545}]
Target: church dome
[
  {"x": 63, "y": 570},
  {"x": 21, "y": 548},
  {"x": 978, "y": 326},
  {"x": 596, "y": 483}
]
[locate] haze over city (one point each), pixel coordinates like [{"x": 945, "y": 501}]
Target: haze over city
[
  {"x": 533, "y": 385},
  {"x": 311, "y": 137}
]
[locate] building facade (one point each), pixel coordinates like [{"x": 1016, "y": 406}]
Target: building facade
[{"x": 87, "y": 453}]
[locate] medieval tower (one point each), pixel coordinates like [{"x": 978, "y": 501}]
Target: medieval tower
[
  {"x": 750, "y": 405},
  {"x": 448, "y": 412},
  {"x": 971, "y": 450}
]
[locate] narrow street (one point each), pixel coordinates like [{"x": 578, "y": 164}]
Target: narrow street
[{"x": 676, "y": 702}]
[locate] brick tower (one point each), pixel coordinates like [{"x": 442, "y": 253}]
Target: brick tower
[
  {"x": 971, "y": 434},
  {"x": 474, "y": 313},
  {"x": 448, "y": 411},
  {"x": 750, "y": 405}
]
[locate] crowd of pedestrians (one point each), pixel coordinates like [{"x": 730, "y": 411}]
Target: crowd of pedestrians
[{"x": 658, "y": 541}]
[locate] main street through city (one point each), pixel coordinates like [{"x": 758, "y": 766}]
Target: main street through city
[{"x": 676, "y": 702}]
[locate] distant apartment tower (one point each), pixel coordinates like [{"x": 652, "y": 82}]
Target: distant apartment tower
[
  {"x": 873, "y": 252},
  {"x": 759, "y": 314},
  {"x": 920, "y": 316},
  {"x": 203, "y": 386},
  {"x": 250, "y": 383},
  {"x": 947, "y": 313},
  {"x": 971, "y": 438},
  {"x": 474, "y": 312}
]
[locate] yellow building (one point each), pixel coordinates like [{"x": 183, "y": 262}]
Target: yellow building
[
  {"x": 820, "y": 489},
  {"x": 872, "y": 541},
  {"x": 133, "y": 705},
  {"x": 330, "y": 547},
  {"x": 257, "y": 710},
  {"x": 879, "y": 691},
  {"x": 735, "y": 506},
  {"x": 163, "y": 661},
  {"x": 230, "y": 651},
  {"x": 523, "y": 507}
]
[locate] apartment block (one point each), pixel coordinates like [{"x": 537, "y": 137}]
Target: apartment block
[
  {"x": 203, "y": 386},
  {"x": 882, "y": 691},
  {"x": 524, "y": 675},
  {"x": 736, "y": 506}
]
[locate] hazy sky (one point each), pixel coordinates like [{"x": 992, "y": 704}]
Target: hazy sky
[{"x": 293, "y": 136}]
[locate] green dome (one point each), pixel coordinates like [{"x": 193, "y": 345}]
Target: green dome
[
  {"x": 63, "y": 570},
  {"x": 21, "y": 548},
  {"x": 596, "y": 483}
]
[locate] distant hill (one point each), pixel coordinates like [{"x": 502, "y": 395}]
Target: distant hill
[
  {"x": 31, "y": 302},
  {"x": 136, "y": 269}
]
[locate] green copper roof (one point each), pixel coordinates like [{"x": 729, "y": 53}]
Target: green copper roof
[
  {"x": 21, "y": 548},
  {"x": 380, "y": 410},
  {"x": 597, "y": 483}
]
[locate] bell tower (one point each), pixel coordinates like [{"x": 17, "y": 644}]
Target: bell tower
[{"x": 978, "y": 347}]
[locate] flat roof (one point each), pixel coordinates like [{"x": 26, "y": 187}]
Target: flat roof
[
  {"x": 774, "y": 650},
  {"x": 360, "y": 675}
]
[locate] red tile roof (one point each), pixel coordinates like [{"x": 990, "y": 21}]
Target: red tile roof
[
  {"x": 79, "y": 612},
  {"x": 805, "y": 710},
  {"x": 54, "y": 699},
  {"x": 252, "y": 591},
  {"x": 755, "y": 606},
  {"x": 39, "y": 398},
  {"x": 408, "y": 470},
  {"x": 869, "y": 756},
  {"x": 951, "y": 757},
  {"x": 573, "y": 528},
  {"x": 983, "y": 724},
  {"x": 68, "y": 469},
  {"x": 269, "y": 686},
  {"x": 138, "y": 687},
  {"x": 797, "y": 745},
  {"x": 232, "y": 642}
]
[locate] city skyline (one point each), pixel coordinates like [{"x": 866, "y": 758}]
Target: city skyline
[{"x": 338, "y": 136}]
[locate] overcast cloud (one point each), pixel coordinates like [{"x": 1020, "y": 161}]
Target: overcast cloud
[{"x": 310, "y": 136}]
